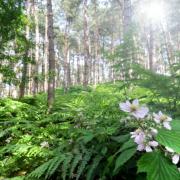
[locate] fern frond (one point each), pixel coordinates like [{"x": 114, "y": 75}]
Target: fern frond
[
  {"x": 76, "y": 160},
  {"x": 38, "y": 172},
  {"x": 65, "y": 165},
  {"x": 93, "y": 166},
  {"x": 48, "y": 168},
  {"x": 54, "y": 165},
  {"x": 83, "y": 164}
]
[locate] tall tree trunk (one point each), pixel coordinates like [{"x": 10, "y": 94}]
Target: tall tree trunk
[
  {"x": 151, "y": 47},
  {"x": 45, "y": 62},
  {"x": 36, "y": 66},
  {"x": 67, "y": 72},
  {"x": 78, "y": 64},
  {"x": 127, "y": 16},
  {"x": 25, "y": 64},
  {"x": 51, "y": 56},
  {"x": 86, "y": 45},
  {"x": 97, "y": 44}
]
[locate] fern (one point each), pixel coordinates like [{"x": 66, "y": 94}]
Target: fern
[
  {"x": 93, "y": 166},
  {"x": 83, "y": 164},
  {"x": 65, "y": 165},
  {"x": 48, "y": 168},
  {"x": 76, "y": 160},
  {"x": 38, "y": 172},
  {"x": 54, "y": 165}
]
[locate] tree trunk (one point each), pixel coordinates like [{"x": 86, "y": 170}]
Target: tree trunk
[
  {"x": 151, "y": 47},
  {"x": 127, "y": 16},
  {"x": 45, "y": 62},
  {"x": 97, "y": 44},
  {"x": 25, "y": 64},
  {"x": 51, "y": 56},
  {"x": 36, "y": 66},
  {"x": 67, "y": 73},
  {"x": 86, "y": 45},
  {"x": 78, "y": 64}
]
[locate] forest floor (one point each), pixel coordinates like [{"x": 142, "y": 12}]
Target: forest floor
[{"x": 29, "y": 136}]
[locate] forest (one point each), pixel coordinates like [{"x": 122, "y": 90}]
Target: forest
[{"x": 89, "y": 89}]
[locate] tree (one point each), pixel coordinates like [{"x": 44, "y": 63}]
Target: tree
[
  {"x": 86, "y": 44},
  {"x": 51, "y": 55},
  {"x": 26, "y": 54}
]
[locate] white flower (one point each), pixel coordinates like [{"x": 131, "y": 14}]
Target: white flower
[
  {"x": 44, "y": 144},
  {"x": 134, "y": 108},
  {"x": 164, "y": 119},
  {"x": 169, "y": 149},
  {"x": 138, "y": 135},
  {"x": 154, "y": 131},
  {"x": 147, "y": 146},
  {"x": 8, "y": 140},
  {"x": 140, "y": 147},
  {"x": 176, "y": 158},
  {"x": 140, "y": 138},
  {"x": 153, "y": 143}
]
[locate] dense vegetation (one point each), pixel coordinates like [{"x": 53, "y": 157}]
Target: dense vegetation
[{"x": 85, "y": 137}]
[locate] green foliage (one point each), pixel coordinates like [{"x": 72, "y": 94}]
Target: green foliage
[
  {"x": 48, "y": 168},
  {"x": 157, "y": 167},
  {"x": 12, "y": 22},
  {"x": 169, "y": 139},
  {"x": 124, "y": 157},
  {"x": 165, "y": 88},
  {"x": 86, "y": 133}
]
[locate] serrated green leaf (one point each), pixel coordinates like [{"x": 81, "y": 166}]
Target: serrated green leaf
[
  {"x": 157, "y": 167},
  {"x": 127, "y": 145},
  {"x": 170, "y": 139},
  {"x": 87, "y": 137},
  {"x": 123, "y": 158},
  {"x": 121, "y": 138},
  {"x": 175, "y": 125}
]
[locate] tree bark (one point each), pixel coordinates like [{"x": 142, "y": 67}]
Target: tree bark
[
  {"x": 36, "y": 66},
  {"x": 78, "y": 64},
  {"x": 45, "y": 62},
  {"x": 86, "y": 45},
  {"x": 22, "y": 86},
  {"x": 127, "y": 16},
  {"x": 151, "y": 47},
  {"x": 51, "y": 56},
  {"x": 67, "y": 72}
]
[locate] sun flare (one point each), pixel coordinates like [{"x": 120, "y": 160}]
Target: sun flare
[{"x": 154, "y": 11}]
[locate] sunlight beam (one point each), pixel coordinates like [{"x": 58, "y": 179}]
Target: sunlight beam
[{"x": 154, "y": 11}]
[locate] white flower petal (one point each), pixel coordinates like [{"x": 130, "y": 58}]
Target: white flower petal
[
  {"x": 169, "y": 149},
  {"x": 153, "y": 143},
  {"x": 175, "y": 159},
  {"x": 141, "y": 112},
  {"x": 156, "y": 118},
  {"x": 139, "y": 139},
  {"x": 160, "y": 113},
  {"x": 148, "y": 149},
  {"x": 135, "y": 102},
  {"x": 167, "y": 125},
  {"x": 125, "y": 107},
  {"x": 154, "y": 131},
  {"x": 169, "y": 119},
  {"x": 140, "y": 147}
]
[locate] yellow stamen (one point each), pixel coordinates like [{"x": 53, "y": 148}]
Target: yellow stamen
[
  {"x": 163, "y": 118},
  {"x": 133, "y": 108}
]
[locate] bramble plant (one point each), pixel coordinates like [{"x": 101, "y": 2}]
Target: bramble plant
[{"x": 148, "y": 127}]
